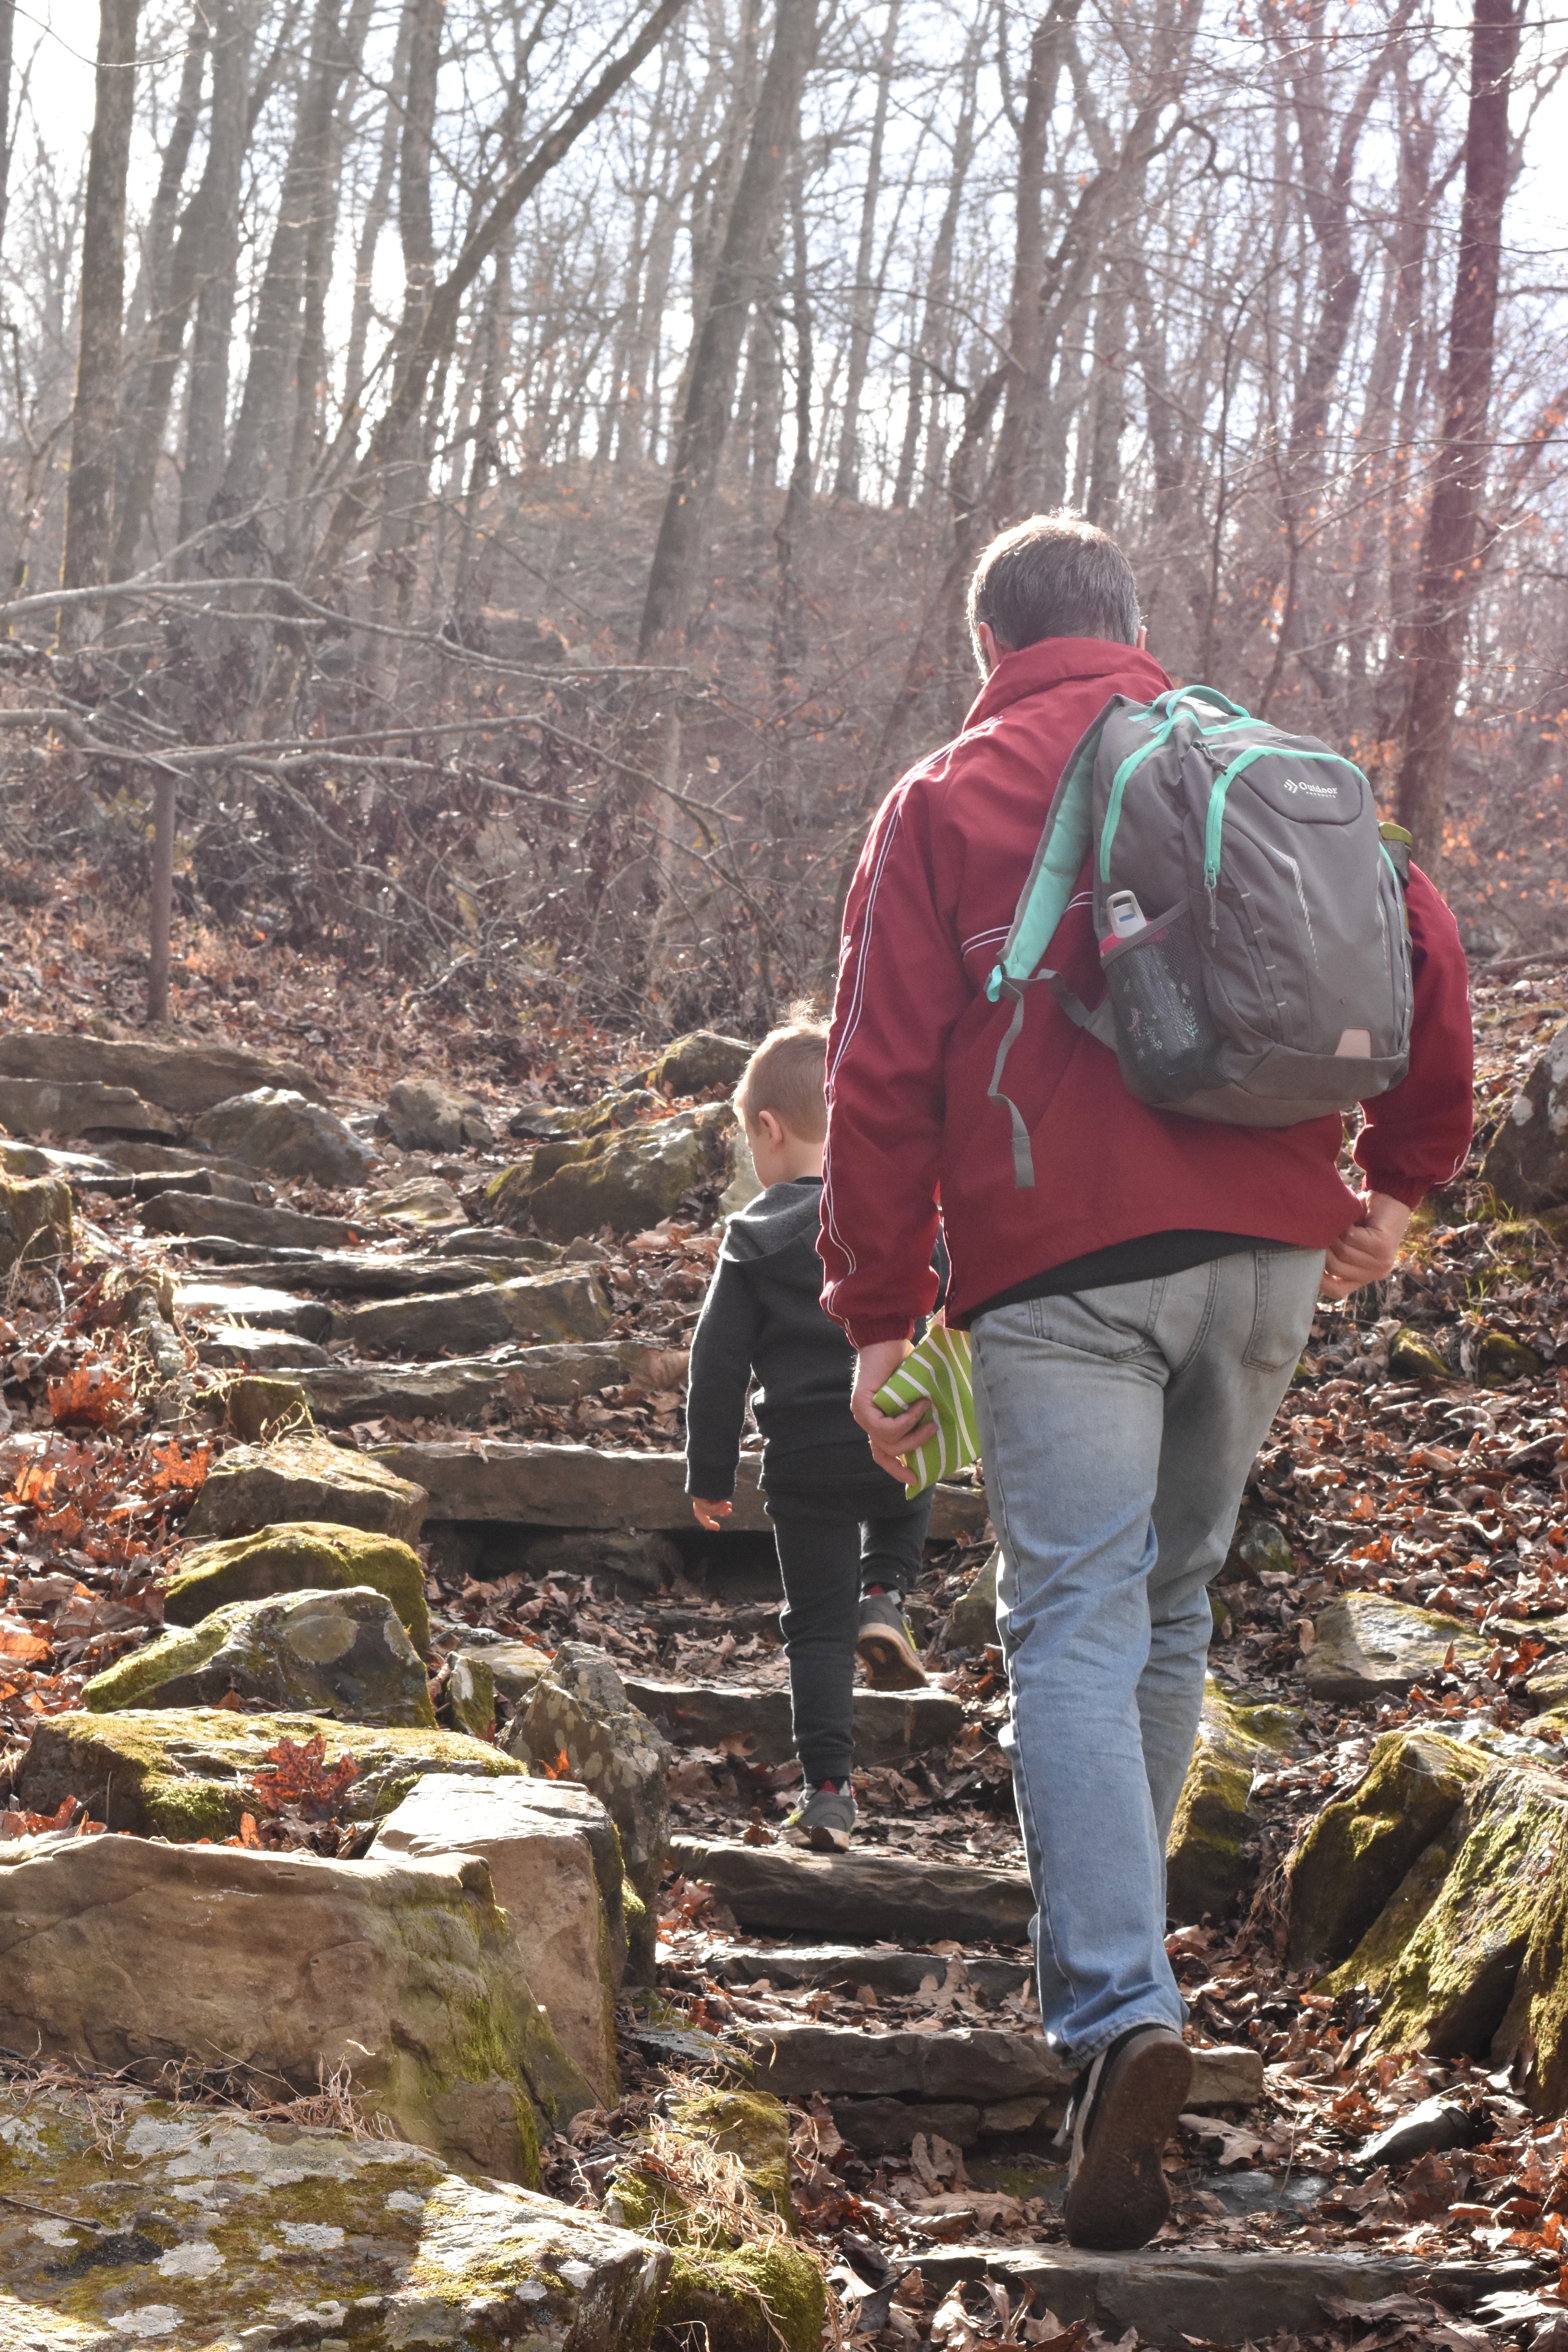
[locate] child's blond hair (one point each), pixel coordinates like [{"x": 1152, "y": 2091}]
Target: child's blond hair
[{"x": 787, "y": 1074}]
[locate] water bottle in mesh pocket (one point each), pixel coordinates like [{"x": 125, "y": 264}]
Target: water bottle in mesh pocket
[{"x": 1166, "y": 1040}]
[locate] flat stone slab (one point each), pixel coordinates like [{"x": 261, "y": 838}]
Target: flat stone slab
[
  {"x": 175, "y": 1211},
  {"x": 497, "y": 1304},
  {"x": 254, "y": 1303},
  {"x": 304, "y": 1478},
  {"x": 221, "y": 2230},
  {"x": 861, "y": 1893},
  {"x": 46, "y": 1107},
  {"x": 888, "y": 1724},
  {"x": 978, "y": 2063},
  {"x": 1369, "y": 1646},
  {"x": 586, "y": 1487},
  {"x": 852, "y": 1965},
  {"x": 234, "y": 1349},
  {"x": 386, "y": 1279},
  {"x": 185, "y": 1078},
  {"x": 459, "y": 1389},
  {"x": 1175, "y": 2298}
]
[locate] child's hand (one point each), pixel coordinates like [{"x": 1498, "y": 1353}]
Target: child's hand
[{"x": 708, "y": 1515}]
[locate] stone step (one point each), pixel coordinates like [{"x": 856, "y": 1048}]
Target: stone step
[
  {"x": 845, "y": 1967},
  {"x": 1175, "y": 2298},
  {"x": 262, "y": 1308},
  {"x": 862, "y": 1894},
  {"x": 207, "y": 1213},
  {"x": 460, "y": 1388},
  {"x": 186, "y": 1078},
  {"x": 346, "y": 1271},
  {"x": 975, "y": 2063},
  {"x": 888, "y": 1724},
  {"x": 587, "y": 1486}
]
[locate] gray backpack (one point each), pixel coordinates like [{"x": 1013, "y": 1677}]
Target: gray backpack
[{"x": 1250, "y": 911}]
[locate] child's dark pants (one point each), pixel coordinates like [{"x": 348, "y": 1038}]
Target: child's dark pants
[{"x": 834, "y": 1539}]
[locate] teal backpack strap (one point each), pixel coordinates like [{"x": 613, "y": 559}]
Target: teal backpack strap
[{"x": 1065, "y": 842}]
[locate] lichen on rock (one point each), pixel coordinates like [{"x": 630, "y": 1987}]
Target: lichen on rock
[
  {"x": 186, "y": 1773},
  {"x": 305, "y": 1478},
  {"x": 1207, "y": 1865},
  {"x": 579, "y": 1710},
  {"x": 1357, "y": 1852},
  {"x": 299, "y": 1556},
  {"x": 625, "y": 1177},
  {"x": 337, "y": 1653}
]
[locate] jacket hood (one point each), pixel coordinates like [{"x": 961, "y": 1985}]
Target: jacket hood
[{"x": 775, "y": 1219}]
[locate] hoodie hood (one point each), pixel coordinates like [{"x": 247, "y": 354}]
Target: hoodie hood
[{"x": 776, "y": 1220}]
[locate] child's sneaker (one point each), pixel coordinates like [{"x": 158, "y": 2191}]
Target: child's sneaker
[
  {"x": 888, "y": 1647},
  {"x": 825, "y": 1821}
]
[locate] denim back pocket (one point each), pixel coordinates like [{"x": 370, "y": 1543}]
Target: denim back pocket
[
  {"x": 1113, "y": 1323},
  {"x": 1288, "y": 1283}
]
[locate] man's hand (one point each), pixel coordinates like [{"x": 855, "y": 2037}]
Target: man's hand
[
  {"x": 891, "y": 1435},
  {"x": 1366, "y": 1252},
  {"x": 708, "y": 1515}
]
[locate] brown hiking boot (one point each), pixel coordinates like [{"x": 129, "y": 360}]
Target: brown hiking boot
[{"x": 1122, "y": 2121}]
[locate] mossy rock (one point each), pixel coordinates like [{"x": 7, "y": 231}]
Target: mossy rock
[
  {"x": 468, "y": 1702},
  {"x": 625, "y": 1179},
  {"x": 1412, "y": 1357},
  {"x": 34, "y": 1221},
  {"x": 300, "y": 1555},
  {"x": 1451, "y": 1986},
  {"x": 1259, "y": 1547},
  {"x": 737, "y": 2285},
  {"x": 752, "y": 2124},
  {"x": 187, "y": 1773},
  {"x": 228, "y": 2210},
  {"x": 1500, "y": 1361},
  {"x": 579, "y": 1710},
  {"x": 260, "y": 1409},
  {"x": 1208, "y": 1866},
  {"x": 305, "y": 1478},
  {"x": 1375, "y": 1958},
  {"x": 335, "y": 1653},
  {"x": 1353, "y": 1857}
]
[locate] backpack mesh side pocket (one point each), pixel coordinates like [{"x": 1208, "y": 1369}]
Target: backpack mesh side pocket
[{"x": 1166, "y": 1040}]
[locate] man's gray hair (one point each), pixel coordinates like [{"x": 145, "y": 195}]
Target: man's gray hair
[{"x": 1055, "y": 576}]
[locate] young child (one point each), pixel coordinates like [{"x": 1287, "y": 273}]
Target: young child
[{"x": 849, "y": 1540}]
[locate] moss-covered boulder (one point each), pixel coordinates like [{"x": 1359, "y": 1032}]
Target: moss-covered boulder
[
  {"x": 184, "y": 2226},
  {"x": 1259, "y": 1547},
  {"x": 1369, "y": 1646},
  {"x": 186, "y": 1773},
  {"x": 624, "y": 1179},
  {"x": 400, "y": 1970},
  {"x": 1413, "y": 1356},
  {"x": 336, "y": 1654},
  {"x": 300, "y": 1555},
  {"x": 1500, "y": 1360},
  {"x": 706, "y": 2184},
  {"x": 579, "y": 1724},
  {"x": 468, "y": 1702},
  {"x": 34, "y": 1221},
  {"x": 1208, "y": 1865},
  {"x": 305, "y": 1478},
  {"x": 1452, "y": 1985},
  {"x": 1355, "y": 1855}
]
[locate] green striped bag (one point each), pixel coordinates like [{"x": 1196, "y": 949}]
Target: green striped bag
[{"x": 938, "y": 1369}]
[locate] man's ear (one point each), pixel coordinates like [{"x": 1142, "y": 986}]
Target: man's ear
[
  {"x": 1142, "y": 639},
  {"x": 990, "y": 651}
]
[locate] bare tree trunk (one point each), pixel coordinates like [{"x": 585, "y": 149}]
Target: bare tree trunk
[
  {"x": 789, "y": 635},
  {"x": 151, "y": 295},
  {"x": 262, "y": 426},
  {"x": 8, "y": 54},
  {"x": 162, "y": 908},
  {"x": 89, "y": 487},
  {"x": 207, "y": 405},
  {"x": 863, "y": 304},
  {"x": 677, "y": 557},
  {"x": 375, "y": 217},
  {"x": 1022, "y": 385},
  {"x": 1450, "y": 561}
]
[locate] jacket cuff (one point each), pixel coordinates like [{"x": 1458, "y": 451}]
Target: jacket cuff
[
  {"x": 711, "y": 1482},
  {"x": 865, "y": 1334},
  {"x": 1411, "y": 1190}
]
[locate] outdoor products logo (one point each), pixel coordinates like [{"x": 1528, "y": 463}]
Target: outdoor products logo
[{"x": 1313, "y": 792}]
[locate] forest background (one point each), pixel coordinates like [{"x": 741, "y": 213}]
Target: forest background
[{"x": 487, "y": 484}]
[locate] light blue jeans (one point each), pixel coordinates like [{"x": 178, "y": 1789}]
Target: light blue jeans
[{"x": 1117, "y": 1428}]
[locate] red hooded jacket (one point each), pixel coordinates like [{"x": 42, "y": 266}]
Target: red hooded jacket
[{"x": 913, "y": 1041}]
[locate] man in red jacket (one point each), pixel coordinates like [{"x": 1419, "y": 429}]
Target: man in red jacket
[{"x": 1135, "y": 1318}]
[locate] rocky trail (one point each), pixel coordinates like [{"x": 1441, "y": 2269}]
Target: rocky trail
[{"x": 396, "y": 1947}]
